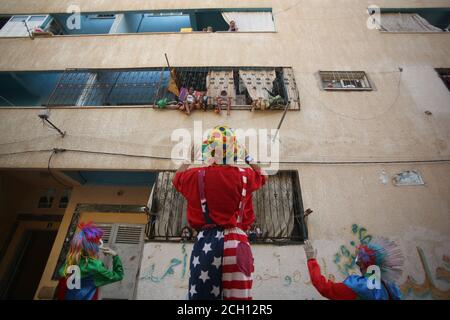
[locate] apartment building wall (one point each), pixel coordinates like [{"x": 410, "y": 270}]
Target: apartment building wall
[{"x": 386, "y": 125}]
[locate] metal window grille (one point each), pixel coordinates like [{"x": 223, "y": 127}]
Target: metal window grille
[
  {"x": 278, "y": 209},
  {"x": 345, "y": 80},
  {"x": 117, "y": 87}
]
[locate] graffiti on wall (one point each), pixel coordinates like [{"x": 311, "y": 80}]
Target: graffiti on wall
[
  {"x": 345, "y": 263},
  {"x": 149, "y": 274},
  {"x": 297, "y": 278},
  {"x": 428, "y": 286},
  {"x": 345, "y": 258}
]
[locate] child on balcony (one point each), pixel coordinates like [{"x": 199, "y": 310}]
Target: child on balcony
[
  {"x": 223, "y": 101},
  {"x": 189, "y": 102}
]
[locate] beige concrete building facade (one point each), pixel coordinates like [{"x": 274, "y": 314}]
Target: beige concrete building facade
[{"x": 346, "y": 146}]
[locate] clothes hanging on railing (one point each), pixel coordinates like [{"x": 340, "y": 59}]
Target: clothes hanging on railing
[
  {"x": 220, "y": 80},
  {"x": 258, "y": 82}
]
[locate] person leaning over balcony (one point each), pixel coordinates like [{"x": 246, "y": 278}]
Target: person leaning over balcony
[
  {"x": 83, "y": 253},
  {"x": 233, "y": 27},
  {"x": 220, "y": 207},
  {"x": 379, "y": 252}
]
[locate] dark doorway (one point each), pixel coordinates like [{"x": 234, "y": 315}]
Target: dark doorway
[{"x": 29, "y": 265}]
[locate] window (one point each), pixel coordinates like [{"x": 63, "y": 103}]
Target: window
[
  {"x": 64, "y": 200},
  {"x": 248, "y": 87},
  {"x": 27, "y": 88},
  {"x": 415, "y": 19},
  {"x": 445, "y": 76},
  {"x": 22, "y": 26},
  {"x": 345, "y": 80},
  {"x": 46, "y": 201},
  {"x": 278, "y": 208},
  {"x": 247, "y": 20}
]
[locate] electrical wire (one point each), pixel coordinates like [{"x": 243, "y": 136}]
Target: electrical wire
[
  {"x": 56, "y": 150},
  {"x": 391, "y": 106}
]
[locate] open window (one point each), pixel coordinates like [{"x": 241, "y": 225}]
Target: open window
[
  {"x": 252, "y": 88},
  {"x": 345, "y": 80},
  {"x": 248, "y": 87},
  {"x": 415, "y": 19},
  {"x": 22, "y": 26},
  {"x": 278, "y": 208},
  {"x": 191, "y": 20},
  {"x": 444, "y": 74},
  {"x": 27, "y": 88}
]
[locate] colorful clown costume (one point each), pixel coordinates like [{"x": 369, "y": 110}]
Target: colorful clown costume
[
  {"x": 379, "y": 252},
  {"x": 83, "y": 253},
  {"x": 220, "y": 206},
  {"x": 94, "y": 274},
  {"x": 354, "y": 287}
]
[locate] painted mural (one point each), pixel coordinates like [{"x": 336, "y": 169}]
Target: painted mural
[{"x": 281, "y": 272}]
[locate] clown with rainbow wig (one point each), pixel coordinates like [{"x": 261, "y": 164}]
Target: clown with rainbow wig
[
  {"x": 379, "y": 252},
  {"x": 84, "y": 253}
]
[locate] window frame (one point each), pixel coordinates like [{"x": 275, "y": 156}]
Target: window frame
[
  {"x": 341, "y": 76},
  {"x": 170, "y": 218},
  {"x": 284, "y": 84}
]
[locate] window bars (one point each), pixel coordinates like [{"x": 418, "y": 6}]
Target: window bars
[
  {"x": 345, "y": 80},
  {"x": 278, "y": 208},
  {"x": 167, "y": 88}
]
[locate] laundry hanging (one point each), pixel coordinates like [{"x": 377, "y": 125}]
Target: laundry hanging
[
  {"x": 218, "y": 81},
  {"x": 258, "y": 82}
]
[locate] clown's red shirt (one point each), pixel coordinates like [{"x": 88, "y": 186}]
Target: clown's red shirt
[{"x": 223, "y": 188}]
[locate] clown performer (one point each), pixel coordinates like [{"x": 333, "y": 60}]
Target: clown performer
[
  {"x": 220, "y": 208},
  {"x": 379, "y": 252},
  {"x": 83, "y": 252}
]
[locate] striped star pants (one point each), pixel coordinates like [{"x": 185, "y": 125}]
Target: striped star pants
[{"x": 221, "y": 266}]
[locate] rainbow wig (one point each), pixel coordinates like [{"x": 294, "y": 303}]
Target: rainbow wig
[
  {"x": 383, "y": 253},
  {"x": 84, "y": 244},
  {"x": 221, "y": 147}
]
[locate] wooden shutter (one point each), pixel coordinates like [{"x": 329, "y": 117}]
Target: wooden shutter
[{"x": 127, "y": 240}]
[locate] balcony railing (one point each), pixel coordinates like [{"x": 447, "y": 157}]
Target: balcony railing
[{"x": 248, "y": 87}]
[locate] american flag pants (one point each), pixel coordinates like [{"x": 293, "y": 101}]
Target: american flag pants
[{"x": 221, "y": 266}]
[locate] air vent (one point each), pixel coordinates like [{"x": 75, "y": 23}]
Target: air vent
[
  {"x": 129, "y": 235},
  {"x": 106, "y": 231}
]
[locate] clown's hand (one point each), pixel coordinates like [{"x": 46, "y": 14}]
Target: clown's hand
[
  {"x": 109, "y": 252},
  {"x": 310, "y": 252}
]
